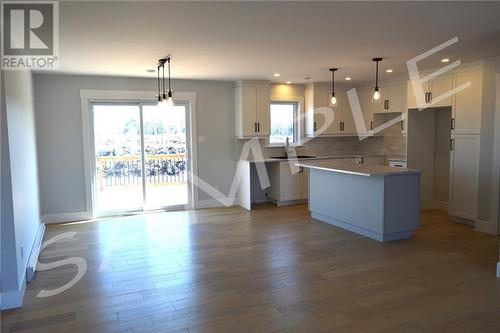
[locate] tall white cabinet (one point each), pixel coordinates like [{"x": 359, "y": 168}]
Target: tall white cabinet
[
  {"x": 465, "y": 122},
  {"x": 253, "y": 103}
]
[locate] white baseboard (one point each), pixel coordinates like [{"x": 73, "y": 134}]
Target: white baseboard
[
  {"x": 35, "y": 252},
  {"x": 211, "y": 203},
  {"x": 65, "y": 217},
  {"x": 441, "y": 205},
  {"x": 486, "y": 227},
  {"x": 12, "y": 299}
]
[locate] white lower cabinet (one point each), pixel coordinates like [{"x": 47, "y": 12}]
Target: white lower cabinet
[
  {"x": 464, "y": 171},
  {"x": 287, "y": 188}
]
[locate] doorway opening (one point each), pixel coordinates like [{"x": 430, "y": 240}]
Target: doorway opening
[{"x": 141, "y": 155}]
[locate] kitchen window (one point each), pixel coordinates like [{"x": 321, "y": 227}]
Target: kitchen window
[{"x": 284, "y": 122}]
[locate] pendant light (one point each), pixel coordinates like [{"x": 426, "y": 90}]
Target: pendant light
[
  {"x": 333, "y": 99},
  {"x": 376, "y": 92},
  {"x": 170, "y": 97},
  {"x": 164, "y": 98}
]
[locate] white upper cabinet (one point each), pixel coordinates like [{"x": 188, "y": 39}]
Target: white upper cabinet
[
  {"x": 392, "y": 98},
  {"x": 432, "y": 91},
  {"x": 317, "y": 97},
  {"x": 253, "y": 102},
  {"x": 439, "y": 86},
  {"x": 367, "y": 106},
  {"x": 466, "y": 118}
]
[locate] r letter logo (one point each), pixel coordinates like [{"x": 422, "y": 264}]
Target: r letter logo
[{"x": 30, "y": 35}]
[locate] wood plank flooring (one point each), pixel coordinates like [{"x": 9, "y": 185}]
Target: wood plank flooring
[{"x": 269, "y": 270}]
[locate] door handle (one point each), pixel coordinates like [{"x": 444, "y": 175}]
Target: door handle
[
  {"x": 452, "y": 123},
  {"x": 452, "y": 144}
]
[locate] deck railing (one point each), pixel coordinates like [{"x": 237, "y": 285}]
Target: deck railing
[{"x": 162, "y": 169}]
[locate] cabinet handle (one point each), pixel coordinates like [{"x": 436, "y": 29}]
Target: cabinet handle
[
  {"x": 402, "y": 125},
  {"x": 255, "y": 127},
  {"x": 258, "y": 127},
  {"x": 452, "y": 123},
  {"x": 430, "y": 97},
  {"x": 314, "y": 127},
  {"x": 371, "y": 125},
  {"x": 426, "y": 97},
  {"x": 388, "y": 104},
  {"x": 452, "y": 144}
]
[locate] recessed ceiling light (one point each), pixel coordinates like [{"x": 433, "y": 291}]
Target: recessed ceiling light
[
  {"x": 445, "y": 60},
  {"x": 388, "y": 70},
  {"x": 348, "y": 79},
  {"x": 307, "y": 78},
  {"x": 276, "y": 75},
  {"x": 288, "y": 82}
]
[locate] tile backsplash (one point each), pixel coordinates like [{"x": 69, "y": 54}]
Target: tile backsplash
[{"x": 392, "y": 143}]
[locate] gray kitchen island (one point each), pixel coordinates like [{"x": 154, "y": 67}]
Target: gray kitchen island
[{"x": 379, "y": 202}]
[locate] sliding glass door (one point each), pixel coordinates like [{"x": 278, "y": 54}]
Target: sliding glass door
[{"x": 140, "y": 157}]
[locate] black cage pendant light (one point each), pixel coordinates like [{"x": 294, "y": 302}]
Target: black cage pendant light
[
  {"x": 376, "y": 92},
  {"x": 333, "y": 99},
  {"x": 165, "y": 98}
]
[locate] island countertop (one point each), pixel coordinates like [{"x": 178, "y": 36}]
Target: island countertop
[{"x": 355, "y": 168}]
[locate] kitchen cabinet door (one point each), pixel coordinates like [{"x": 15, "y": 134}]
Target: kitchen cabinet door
[
  {"x": 246, "y": 108},
  {"x": 396, "y": 98},
  {"x": 304, "y": 184},
  {"x": 290, "y": 184},
  {"x": 439, "y": 86},
  {"x": 464, "y": 170},
  {"x": 467, "y": 104},
  {"x": 411, "y": 99},
  {"x": 346, "y": 116},
  {"x": 367, "y": 107},
  {"x": 263, "y": 111}
]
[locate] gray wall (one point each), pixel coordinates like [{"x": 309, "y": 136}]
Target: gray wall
[
  {"x": 20, "y": 198},
  {"x": 60, "y": 142}
]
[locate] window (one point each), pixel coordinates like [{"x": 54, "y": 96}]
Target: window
[{"x": 283, "y": 122}]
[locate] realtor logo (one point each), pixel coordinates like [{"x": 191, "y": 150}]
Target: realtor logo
[{"x": 30, "y": 35}]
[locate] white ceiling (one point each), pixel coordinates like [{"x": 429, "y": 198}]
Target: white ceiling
[{"x": 253, "y": 40}]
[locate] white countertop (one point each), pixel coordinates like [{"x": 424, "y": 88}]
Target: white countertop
[
  {"x": 355, "y": 168},
  {"x": 328, "y": 157}
]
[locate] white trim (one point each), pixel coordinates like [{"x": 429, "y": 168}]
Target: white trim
[
  {"x": 209, "y": 203},
  {"x": 13, "y": 299},
  {"x": 66, "y": 217},
  {"x": 441, "y": 205},
  {"x": 35, "y": 252},
  {"x": 486, "y": 227},
  {"x": 91, "y": 96}
]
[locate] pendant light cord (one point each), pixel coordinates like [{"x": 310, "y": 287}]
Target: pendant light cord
[
  {"x": 376, "y": 76},
  {"x": 169, "y": 90}
]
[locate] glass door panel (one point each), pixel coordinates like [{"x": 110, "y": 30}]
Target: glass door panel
[
  {"x": 165, "y": 155},
  {"x": 118, "y": 174}
]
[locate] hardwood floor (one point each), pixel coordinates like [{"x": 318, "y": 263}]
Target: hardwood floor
[{"x": 269, "y": 270}]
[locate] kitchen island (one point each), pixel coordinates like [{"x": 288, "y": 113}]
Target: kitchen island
[{"x": 379, "y": 202}]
